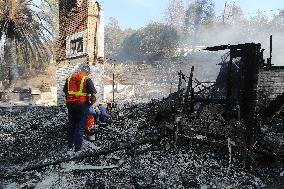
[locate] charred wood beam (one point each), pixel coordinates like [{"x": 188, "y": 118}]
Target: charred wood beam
[
  {"x": 213, "y": 101},
  {"x": 206, "y": 88},
  {"x": 192, "y": 96},
  {"x": 228, "y": 107},
  {"x": 206, "y": 81},
  {"x": 189, "y": 84},
  {"x": 235, "y": 47},
  {"x": 181, "y": 77},
  {"x": 200, "y": 83},
  {"x": 112, "y": 149}
]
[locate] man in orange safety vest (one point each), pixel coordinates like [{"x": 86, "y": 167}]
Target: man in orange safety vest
[{"x": 80, "y": 95}]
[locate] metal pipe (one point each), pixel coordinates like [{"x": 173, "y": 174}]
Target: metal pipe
[
  {"x": 270, "y": 46},
  {"x": 113, "y": 87}
]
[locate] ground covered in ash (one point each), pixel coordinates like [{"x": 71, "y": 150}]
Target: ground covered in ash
[{"x": 35, "y": 135}]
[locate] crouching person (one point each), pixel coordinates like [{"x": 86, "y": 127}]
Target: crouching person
[
  {"x": 99, "y": 111},
  {"x": 103, "y": 117}
]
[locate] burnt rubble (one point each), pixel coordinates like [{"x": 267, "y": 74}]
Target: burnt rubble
[
  {"x": 35, "y": 135},
  {"x": 207, "y": 134}
]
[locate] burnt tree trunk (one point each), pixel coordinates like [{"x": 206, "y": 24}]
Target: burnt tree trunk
[{"x": 10, "y": 59}]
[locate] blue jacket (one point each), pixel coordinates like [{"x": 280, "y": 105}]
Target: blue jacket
[
  {"x": 94, "y": 112},
  {"x": 101, "y": 112}
]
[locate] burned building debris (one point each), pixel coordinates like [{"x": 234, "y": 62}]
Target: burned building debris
[
  {"x": 236, "y": 102},
  {"x": 176, "y": 120},
  {"x": 200, "y": 136}
]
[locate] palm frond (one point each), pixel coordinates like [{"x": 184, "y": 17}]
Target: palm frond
[{"x": 20, "y": 22}]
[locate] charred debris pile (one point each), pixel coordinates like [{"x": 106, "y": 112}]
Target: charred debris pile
[
  {"x": 139, "y": 149},
  {"x": 207, "y": 135},
  {"x": 230, "y": 108}
]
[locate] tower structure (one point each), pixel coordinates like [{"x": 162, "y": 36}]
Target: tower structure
[{"x": 81, "y": 41}]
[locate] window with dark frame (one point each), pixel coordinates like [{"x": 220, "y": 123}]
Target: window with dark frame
[{"x": 76, "y": 45}]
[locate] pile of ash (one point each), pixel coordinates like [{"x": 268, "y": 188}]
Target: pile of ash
[{"x": 35, "y": 135}]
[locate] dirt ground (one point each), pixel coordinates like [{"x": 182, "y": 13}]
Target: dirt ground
[{"x": 35, "y": 79}]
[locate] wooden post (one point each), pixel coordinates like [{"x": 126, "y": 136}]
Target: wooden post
[
  {"x": 179, "y": 80},
  {"x": 251, "y": 68},
  {"x": 192, "y": 100},
  {"x": 113, "y": 83},
  {"x": 190, "y": 91},
  {"x": 229, "y": 88},
  {"x": 113, "y": 87},
  {"x": 189, "y": 84}
]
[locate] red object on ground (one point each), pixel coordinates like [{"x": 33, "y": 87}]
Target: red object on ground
[{"x": 90, "y": 123}]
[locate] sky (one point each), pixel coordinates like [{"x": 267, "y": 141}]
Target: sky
[{"x": 138, "y": 13}]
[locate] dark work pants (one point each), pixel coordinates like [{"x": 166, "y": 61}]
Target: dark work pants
[{"x": 77, "y": 117}]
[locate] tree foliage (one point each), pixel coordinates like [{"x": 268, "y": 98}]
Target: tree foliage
[
  {"x": 233, "y": 15},
  {"x": 153, "y": 42},
  {"x": 50, "y": 13},
  {"x": 199, "y": 12},
  {"x": 24, "y": 33},
  {"x": 114, "y": 37},
  {"x": 259, "y": 20},
  {"x": 175, "y": 13},
  {"x": 278, "y": 21}
]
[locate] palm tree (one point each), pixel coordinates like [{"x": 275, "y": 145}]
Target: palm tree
[{"x": 24, "y": 33}]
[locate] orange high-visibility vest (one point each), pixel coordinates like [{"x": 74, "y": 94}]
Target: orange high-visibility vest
[{"x": 77, "y": 84}]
